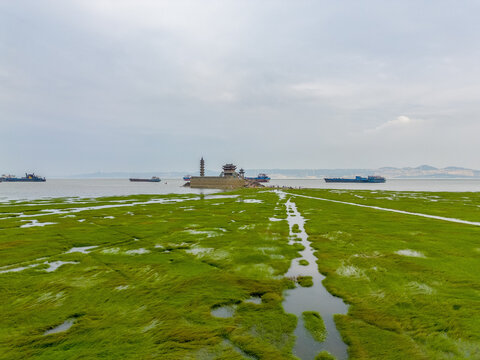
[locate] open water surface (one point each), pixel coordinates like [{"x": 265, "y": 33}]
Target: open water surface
[
  {"x": 91, "y": 188},
  {"x": 449, "y": 185},
  {"x": 54, "y": 188}
]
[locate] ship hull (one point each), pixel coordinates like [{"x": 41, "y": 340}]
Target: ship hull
[
  {"x": 145, "y": 180},
  {"x": 363, "y": 181},
  {"x": 22, "y": 180},
  {"x": 258, "y": 179}
]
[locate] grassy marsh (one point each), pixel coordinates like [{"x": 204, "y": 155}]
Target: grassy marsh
[
  {"x": 147, "y": 288},
  {"x": 152, "y": 268},
  {"x": 411, "y": 282},
  {"x": 315, "y": 325}
]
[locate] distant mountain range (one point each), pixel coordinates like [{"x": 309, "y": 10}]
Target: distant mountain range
[{"x": 423, "y": 171}]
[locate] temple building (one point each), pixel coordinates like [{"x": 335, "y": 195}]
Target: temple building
[{"x": 228, "y": 179}]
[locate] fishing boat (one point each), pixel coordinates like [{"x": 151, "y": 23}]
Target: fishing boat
[
  {"x": 28, "y": 178},
  {"x": 357, "y": 179},
  {"x": 153, "y": 179}
]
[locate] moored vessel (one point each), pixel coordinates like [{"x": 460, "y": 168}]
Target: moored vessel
[
  {"x": 357, "y": 179},
  {"x": 260, "y": 178},
  {"x": 28, "y": 178},
  {"x": 153, "y": 179},
  {"x": 187, "y": 177}
]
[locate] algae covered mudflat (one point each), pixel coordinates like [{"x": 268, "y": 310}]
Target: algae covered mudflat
[
  {"x": 203, "y": 277},
  {"x": 412, "y": 282},
  {"x": 140, "y": 276}
]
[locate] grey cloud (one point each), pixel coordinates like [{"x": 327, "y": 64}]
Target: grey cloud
[{"x": 264, "y": 84}]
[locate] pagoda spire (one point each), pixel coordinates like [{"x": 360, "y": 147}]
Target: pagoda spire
[{"x": 202, "y": 167}]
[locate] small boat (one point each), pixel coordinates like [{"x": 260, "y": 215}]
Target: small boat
[
  {"x": 28, "y": 178},
  {"x": 260, "y": 178},
  {"x": 153, "y": 179},
  {"x": 357, "y": 179},
  {"x": 187, "y": 177}
]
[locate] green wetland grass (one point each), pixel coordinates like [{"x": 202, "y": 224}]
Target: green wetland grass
[
  {"x": 324, "y": 355},
  {"x": 412, "y": 283},
  {"x": 315, "y": 325},
  {"x": 305, "y": 281},
  {"x": 138, "y": 277},
  {"x": 147, "y": 288}
]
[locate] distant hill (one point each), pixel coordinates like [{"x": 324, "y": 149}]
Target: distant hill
[{"x": 425, "y": 168}]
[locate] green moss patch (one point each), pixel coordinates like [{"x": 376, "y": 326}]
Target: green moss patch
[
  {"x": 314, "y": 324},
  {"x": 305, "y": 281},
  {"x": 324, "y": 355}
]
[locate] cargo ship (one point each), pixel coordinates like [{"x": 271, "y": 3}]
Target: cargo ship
[
  {"x": 358, "y": 179},
  {"x": 260, "y": 178},
  {"x": 153, "y": 179},
  {"x": 28, "y": 178}
]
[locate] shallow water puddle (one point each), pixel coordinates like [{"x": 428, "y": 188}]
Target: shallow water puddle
[
  {"x": 33, "y": 223},
  {"x": 17, "y": 268},
  {"x": 205, "y": 232},
  {"x": 315, "y": 298},
  {"x": 198, "y": 250},
  {"x": 113, "y": 204},
  {"x": 257, "y": 300},
  {"x": 226, "y": 311},
  {"x": 411, "y": 253},
  {"x": 137, "y": 251},
  {"x": 60, "y": 328},
  {"x": 83, "y": 249},
  {"x": 251, "y": 201},
  {"x": 221, "y": 196},
  {"x": 54, "y": 265},
  {"x": 122, "y": 287}
]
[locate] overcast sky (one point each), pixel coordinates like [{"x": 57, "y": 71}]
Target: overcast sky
[{"x": 117, "y": 85}]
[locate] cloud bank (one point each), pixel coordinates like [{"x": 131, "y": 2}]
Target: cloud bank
[{"x": 138, "y": 86}]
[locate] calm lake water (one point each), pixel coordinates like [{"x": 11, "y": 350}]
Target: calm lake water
[
  {"x": 450, "y": 185},
  {"x": 116, "y": 187},
  {"x": 54, "y": 188}
]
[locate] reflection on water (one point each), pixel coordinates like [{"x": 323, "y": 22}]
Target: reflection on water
[
  {"x": 315, "y": 298},
  {"x": 60, "y": 328},
  {"x": 226, "y": 311},
  {"x": 254, "y": 300}
]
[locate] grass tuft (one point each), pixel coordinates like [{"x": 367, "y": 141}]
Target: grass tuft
[{"x": 315, "y": 325}]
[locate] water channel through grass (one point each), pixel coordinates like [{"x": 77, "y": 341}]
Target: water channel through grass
[{"x": 315, "y": 298}]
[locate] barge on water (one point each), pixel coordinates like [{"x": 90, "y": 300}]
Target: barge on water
[
  {"x": 357, "y": 179},
  {"x": 28, "y": 178},
  {"x": 260, "y": 178},
  {"x": 153, "y": 179}
]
